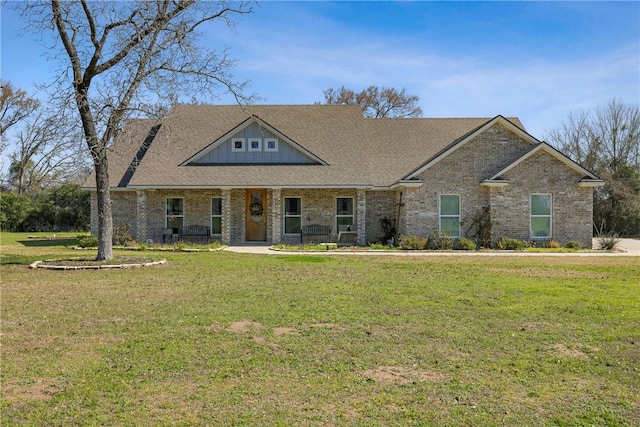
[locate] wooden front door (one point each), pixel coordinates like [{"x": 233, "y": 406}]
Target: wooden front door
[{"x": 256, "y": 215}]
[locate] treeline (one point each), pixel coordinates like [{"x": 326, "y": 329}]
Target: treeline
[{"x": 62, "y": 208}]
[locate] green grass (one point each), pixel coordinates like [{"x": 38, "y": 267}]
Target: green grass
[{"x": 216, "y": 338}]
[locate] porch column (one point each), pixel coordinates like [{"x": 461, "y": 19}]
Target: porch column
[
  {"x": 226, "y": 216},
  {"x": 276, "y": 215},
  {"x": 141, "y": 216},
  {"x": 361, "y": 216}
]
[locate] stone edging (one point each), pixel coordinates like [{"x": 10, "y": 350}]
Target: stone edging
[{"x": 38, "y": 264}]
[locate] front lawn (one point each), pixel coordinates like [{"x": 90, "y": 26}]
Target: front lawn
[{"x": 217, "y": 338}]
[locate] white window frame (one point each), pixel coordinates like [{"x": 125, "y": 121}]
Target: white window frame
[
  {"x": 216, "y": 216},
  {"x": 353, "y": 212},
  {"x": 532, "y": 216},
  {"x": 250, "y": 143},
  {"x": 233, "y": 145},
  {"x": 266, "y": 145},
  {"x": 166, "y": 213},
  {"x": 459, "y": 215},
  {"x": 285, "y": 216}
]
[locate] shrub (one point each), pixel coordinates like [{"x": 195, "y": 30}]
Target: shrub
[
  {"x": 121, "y": 235},
  {"x": 608, "y": 242},
  {"x": 572, "y": 244},
  {"x": 554, "y": 244},
  {"x": 87, "y": 241},
  {"x": 508, "y": 244},
  {"x": 411, "y": 242},
  {"x": 440, "y": 241},
  {"x": 465, "y": 244}
]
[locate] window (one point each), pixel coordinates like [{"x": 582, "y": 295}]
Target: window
[
  {"x": 450, "y": 214},
  {"x": 271, "y": 144},
  {"x": 344, "y": 211},
  {"x": 216, "y": 215},
  {"x": 540, "y": 216},
  {"x": 255, "y": 144},
  {"x": 237, "y": 144},
  {"x": 175, "y": 213},
  {"x": 292, "y": 215}
]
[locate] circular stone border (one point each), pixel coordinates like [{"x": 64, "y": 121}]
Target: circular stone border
[{"x": 38, "y": 264}]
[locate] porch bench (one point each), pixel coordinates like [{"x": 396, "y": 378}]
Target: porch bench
[
  {"x": 313, "y": 230},
  {"x": 196, "y": 232}
]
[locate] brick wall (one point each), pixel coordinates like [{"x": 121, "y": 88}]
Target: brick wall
[
  {"x": 380, "y": 204},
  {"x": 318, "y": 207},
  {"x": 572, "y": 206},
  {"x": 197, "y": 209},
  {"x": 460, "y": 173},
  {"x": 123, "y": 210}
]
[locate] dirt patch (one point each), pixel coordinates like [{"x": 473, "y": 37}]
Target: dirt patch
[
  {"x": 37, "y": 389},
  {"x": 563, "y": 350},
  {"x": 244, "y": 326},
  {"x": 401, "y": 375},
  {"x": 285, "y": 331}
]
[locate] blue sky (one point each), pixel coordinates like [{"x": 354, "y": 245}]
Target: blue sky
[{"x": 534, "y": 60}]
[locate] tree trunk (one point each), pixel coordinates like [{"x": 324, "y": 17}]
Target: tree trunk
[{"x": 105, "y": 219}]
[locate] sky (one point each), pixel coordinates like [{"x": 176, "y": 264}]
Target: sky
[{"x": 538, "y": 61}]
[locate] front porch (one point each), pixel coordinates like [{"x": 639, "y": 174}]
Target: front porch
[{"x": 241, "y": 215}]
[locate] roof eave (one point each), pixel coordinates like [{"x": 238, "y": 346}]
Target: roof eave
[
  {"x": 495, "y": 183},
  {"x": 593, "y": 183}
]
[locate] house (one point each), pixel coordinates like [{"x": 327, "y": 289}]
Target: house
[{"x": 260, "y": 173}]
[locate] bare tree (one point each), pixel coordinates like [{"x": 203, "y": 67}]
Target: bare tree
[
  {"x": 15, "y": 106},
  {"x": 376, "y": 102},
  {"x": 48, "y": 151},
  {"x": 121, "y": 57},
  {"x": 607, "y": 142}
]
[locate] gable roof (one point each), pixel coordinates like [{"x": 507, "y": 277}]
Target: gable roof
[
  {"x": 260, "y": 123},
  {"x": 589, "y": 179},
  {"x": 352, "y": 151},
  {"x": 513, "y": 125}
]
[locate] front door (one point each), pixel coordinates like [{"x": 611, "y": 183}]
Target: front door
[{"x": 256, "y": 215}]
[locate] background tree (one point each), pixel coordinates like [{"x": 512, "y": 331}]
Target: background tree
[
  {"x": 48, "y": 151},
  {"x": 376, "y": 102},
  {"x": 120, "y": 57},
  {"x": 15, "y": 106},
  {"x": 607, "y": 142}
]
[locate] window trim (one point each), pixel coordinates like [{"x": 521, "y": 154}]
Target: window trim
[
  {"x": 459, "y": 216},
  {"x": 266, "y": 145},
  {"x": 216, "y": 216},
  {"x": 166, "y": 213},
  {"x": 233, "y": 145},
  {"x": 353, "y": 211},
  {"x": 550, "y": 216},
  {"x": 258, "y": 140},
  {"x": 285, "y": 216}
]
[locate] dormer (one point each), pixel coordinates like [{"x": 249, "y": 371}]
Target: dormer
[{"x": 253, "y": 142}]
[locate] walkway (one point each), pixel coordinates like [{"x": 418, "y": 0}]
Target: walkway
[{"x": 627, "y": 247}]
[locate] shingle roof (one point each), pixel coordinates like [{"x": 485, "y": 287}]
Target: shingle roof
[{"x": 359, "y": 152}]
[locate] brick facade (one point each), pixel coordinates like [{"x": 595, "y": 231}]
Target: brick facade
[
  {"x": 460, "y": 173},
  {"x": 572, "y": 206},
  {"x": 412, "y": 211}
]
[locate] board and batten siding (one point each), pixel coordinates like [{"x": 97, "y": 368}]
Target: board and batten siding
[{"x": 223, "y": 154}]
